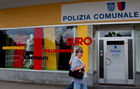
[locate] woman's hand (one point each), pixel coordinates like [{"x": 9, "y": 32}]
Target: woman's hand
[
  {"x": 70, "y": 63},
  {"x": 80, "y": 67}
]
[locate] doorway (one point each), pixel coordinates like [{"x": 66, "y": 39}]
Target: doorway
[{"x": 115, "y": 57}]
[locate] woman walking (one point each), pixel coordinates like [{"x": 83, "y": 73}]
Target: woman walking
[
  {"x": 71, "y": 86},
  {"x": 78, "y": 64}
]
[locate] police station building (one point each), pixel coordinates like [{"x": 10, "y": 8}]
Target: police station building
[{"x": 37, "y": 39}]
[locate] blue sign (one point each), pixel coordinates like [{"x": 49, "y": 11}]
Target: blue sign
[{"x": 111, "y": 6}]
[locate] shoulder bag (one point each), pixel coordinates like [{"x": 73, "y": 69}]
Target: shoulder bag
[{"x": 77, "y": 74}]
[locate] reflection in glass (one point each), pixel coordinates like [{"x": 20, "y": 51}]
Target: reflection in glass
[
  {"x": 62, "y": 33},
  {"x": 18, "y": 37},
  {"x": 115, "y": 33}
]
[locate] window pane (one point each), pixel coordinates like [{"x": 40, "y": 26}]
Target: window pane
[
  {"x": 16, "y": 56},
  {"x": 36, "y": 48}
]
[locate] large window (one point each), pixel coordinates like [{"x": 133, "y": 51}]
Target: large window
[{"x": 36, "y": 48}]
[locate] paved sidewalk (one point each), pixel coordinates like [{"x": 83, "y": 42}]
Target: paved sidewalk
[
  {"x": 15, "y": 85},
  {"x": 115, "y": 87}
]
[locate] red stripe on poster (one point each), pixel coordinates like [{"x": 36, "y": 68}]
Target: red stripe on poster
[
  {"x": 37, "y": 63},
  {"x": 19, "y": 53}
]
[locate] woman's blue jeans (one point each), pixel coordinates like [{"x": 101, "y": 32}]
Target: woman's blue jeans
[
  {"x": 70, "y": 86},
  {"x": 79, "y": 86}
]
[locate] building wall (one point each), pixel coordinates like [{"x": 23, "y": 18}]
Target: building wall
[
  {"x": 47, "y": 14},
  {"x": 41, "y": 77}
]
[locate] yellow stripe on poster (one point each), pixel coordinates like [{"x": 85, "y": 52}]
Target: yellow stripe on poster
[
  {"x": 82, "y": 31},
  {"x": 49, "y": 43}
]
